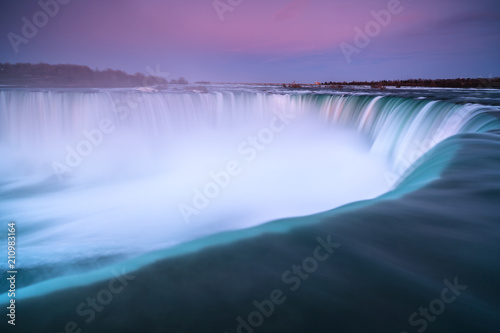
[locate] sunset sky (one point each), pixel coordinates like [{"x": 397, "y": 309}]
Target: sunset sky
[{"x": 260, "y": 40}]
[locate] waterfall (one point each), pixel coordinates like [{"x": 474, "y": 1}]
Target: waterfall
[
  {"x": 84, "y": 173},
  {"x": 84, "y": 168}
]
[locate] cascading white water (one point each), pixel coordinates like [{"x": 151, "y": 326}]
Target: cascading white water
[{"x": 94, "y": 173}]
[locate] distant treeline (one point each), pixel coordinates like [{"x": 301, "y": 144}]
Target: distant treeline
[
  {"x": 45, "y": 75},
  {"x": 441, "y": 83}
]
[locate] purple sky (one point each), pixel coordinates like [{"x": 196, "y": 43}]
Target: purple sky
[{"x": 262, "y": 40}]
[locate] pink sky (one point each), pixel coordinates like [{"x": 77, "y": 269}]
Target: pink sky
[{"x": 259, "y": 39}]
